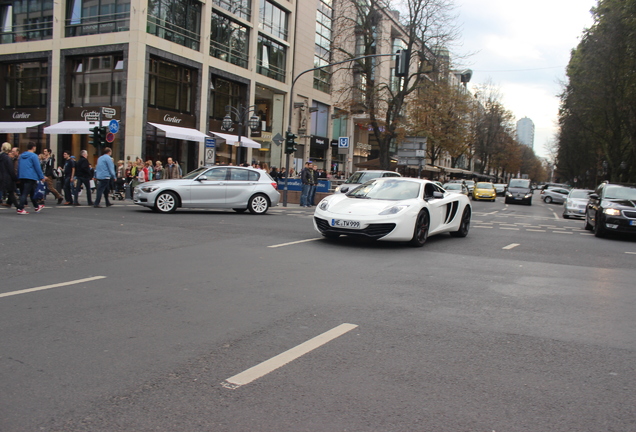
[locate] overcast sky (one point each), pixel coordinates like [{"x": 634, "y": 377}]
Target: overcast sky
[{"x": 523, "y": 47}]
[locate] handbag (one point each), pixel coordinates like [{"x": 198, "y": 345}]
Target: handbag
[{"x": 38, "y": 195}]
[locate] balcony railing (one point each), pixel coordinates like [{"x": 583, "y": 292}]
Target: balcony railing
[
  {"x": 98, "y": 24},
  {"x": 227, "y": 54},
  {"x": 28, "y": 32},
  {"x": 168, "y": 31}
]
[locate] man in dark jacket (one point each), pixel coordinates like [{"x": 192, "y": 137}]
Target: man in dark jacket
[
  {"x": 307, "y": 177},
  {"x": 29, "y": 173},
  {"x": 7, "y": 176},
  {"x": 84, "y": 174},
  {"x": 49, "y": 173},
  {"x": 69, "y": 174}
]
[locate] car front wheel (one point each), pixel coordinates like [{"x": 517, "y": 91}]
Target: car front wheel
[
  {"x": 420, "y": 232},
  {"x": 547, "y": 200},
  {"x": 464, "y": 226},
  {"x": 258, "y": 204},
  {"x": 599, "y": 230},
  {"x": 588, "y": 225},
  {"x": 166, "y": 202}
]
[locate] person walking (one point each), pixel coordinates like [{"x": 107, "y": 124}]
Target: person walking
[
  {"x": 171, "y": 170},
  {"x": 84, "y": 174},
  {"x": 29, "y": 173},
  {"x": 8, "y": 177},
  {"x": 69, "y": 175},
  {"x": 307, "y": 178},
  {"x": 50, "y": 173},
  {"x": 314, "y": 187},
  {"x": 104, "y": 172}
]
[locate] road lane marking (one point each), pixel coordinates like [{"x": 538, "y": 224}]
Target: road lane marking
[
  {"x": 535, "y": 230},
  {"x": 57, "y": 285},
  {"x": 513, "y": 229},
  {"x": 510, "y": 246},
  {"x": 293, "y": 243},
  {"x": 482, "y": 226},
  {"x": 561, "y": 232},
  {"x": 288, "y": 356},
  {"x": 631, "y": 253}
]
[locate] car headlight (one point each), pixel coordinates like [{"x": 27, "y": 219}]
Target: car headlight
[
  {"x": 508, "y": 193},
  {"x": 149, "y": 189},
  {"x": 528, "y": 195},
  {"x": 324, "y": 204},
  {"x": 612, "y": 212},
  {"x": 394, "y": 209},
  {"x": 338, "y": 188}
]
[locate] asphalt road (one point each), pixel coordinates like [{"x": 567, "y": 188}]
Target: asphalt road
[{"x": 527, "y": 324}]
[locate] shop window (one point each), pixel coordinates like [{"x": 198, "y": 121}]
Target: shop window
[
  {"x": 322, "y": 47},
  {"x": 271, "y": 60},
  {"x": 171, "y": 86},
  {"x": 178, "y": 21},
  {"x": 86, "y": 17},
  {"x": 273, "y": 20},
  {"x": 229, "y": 40},
  {"x": 240, "y": 8},
  {"x": 96, "y": 81},
  {"x": 223, "y": 93},
  {"x": 26, "y": 20},
  {"x": 26, "y": 84},
  {"x": 319, "y": 119}
]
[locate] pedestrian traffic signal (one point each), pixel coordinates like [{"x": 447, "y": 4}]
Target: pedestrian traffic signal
[
  {"x": 402, "y": 59},
  {"x": 290, "y": 143},
  {"x": 98, "y": 137}
]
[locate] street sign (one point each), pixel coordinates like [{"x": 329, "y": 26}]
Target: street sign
[
  {"x": 110, "y": 137},
  {"x": 343, "y": 142},
  {"x": 210, "y": 143},
  {"x": 410, "y": 161},
  {"x": 113, "y": 127},
  {"x": 91, "y": 118},
  {"x": 109, "y": 111},
  {"x": 278, "y": 139}
]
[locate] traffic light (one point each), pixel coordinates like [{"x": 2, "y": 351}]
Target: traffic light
[
  {"x": 102, "y": 136},
  {"x": 95, "y": 138},
  {"x": 290, "y": 143},
  {"x": 402, "y": 59}
]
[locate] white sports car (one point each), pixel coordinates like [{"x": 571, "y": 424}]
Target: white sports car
[{"x": 394, "y": 209}]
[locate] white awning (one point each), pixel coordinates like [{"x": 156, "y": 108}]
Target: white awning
[
  {"x": 177, "y": 132},
  {"x": 72, "y": 128},
  {"x": 233, "y": 139},
  {"x": 17, "y": 127}
]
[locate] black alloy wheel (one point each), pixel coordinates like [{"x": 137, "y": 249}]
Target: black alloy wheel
[
  {"x": 464, "y": 226},
  {"x": 420, "y": 233},
  {"x": 599, "y": 229}
]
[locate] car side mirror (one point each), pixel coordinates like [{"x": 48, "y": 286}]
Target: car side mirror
[
  {"x": 344, "y": 189},
  {"x": 438, "y": 195},
  {"x": 201, "y": 178}
]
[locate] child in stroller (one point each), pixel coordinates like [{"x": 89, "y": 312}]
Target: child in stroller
[{"x": 117, "y": 190}]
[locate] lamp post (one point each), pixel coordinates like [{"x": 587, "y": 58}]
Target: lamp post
[
  {"x": 623, "y": 167},
  {"x": 241, "y": 113}
]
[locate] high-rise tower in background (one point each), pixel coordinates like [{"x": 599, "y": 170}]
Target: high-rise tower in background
[{"x": 525, "y": 132}]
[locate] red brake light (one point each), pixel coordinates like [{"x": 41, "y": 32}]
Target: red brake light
[{"x": 275, "y": 185}]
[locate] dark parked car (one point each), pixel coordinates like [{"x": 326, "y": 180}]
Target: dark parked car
[
  {"x": 611, "y": 208},
  {"x": 519, "y": 191}
]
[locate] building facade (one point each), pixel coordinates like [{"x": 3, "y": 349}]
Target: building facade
[{"x": 525, "y": 132}]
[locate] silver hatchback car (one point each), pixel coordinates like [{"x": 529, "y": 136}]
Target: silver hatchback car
[{"x": 225, "y": 187}]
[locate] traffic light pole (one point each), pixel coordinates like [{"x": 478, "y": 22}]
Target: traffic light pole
[{"x": 402, "y": 61}]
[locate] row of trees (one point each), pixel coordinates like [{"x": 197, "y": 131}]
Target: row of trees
[
  {"x": 597, "y": 138},
  {"x": 426, "y": 102}
]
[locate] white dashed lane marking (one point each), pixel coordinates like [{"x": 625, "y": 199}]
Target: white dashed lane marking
[
  {"x": 293, "y": 243},
  {"x": 510, "y": 246},
  {"x": 57, "y": 285},
  {"x": 282, "y": 359}
]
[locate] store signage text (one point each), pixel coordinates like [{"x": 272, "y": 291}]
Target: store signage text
[
  {"x": 21, "y": 115},
  {"x": 172, "y": 119}
]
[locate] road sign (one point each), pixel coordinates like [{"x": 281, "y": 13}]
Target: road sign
[
  {"x": 343, "y": 142},
  {"x": 113, "y": 127},
  {"x": 210, "y": 143},
  {"x": 278, "y": 139},
  {"x": 110, "y": 137},
  {"x": 109, "y": 111},
  {"x": 91, "y": 118}
]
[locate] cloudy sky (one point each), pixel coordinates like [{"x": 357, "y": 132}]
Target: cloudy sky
[{"x": 523, "y": 47}]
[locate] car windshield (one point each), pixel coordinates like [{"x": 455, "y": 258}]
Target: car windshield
[
  {"x": 519, "y": 184},
  {"x": 620, "y": 192},
  {"x": 580, "y": 193},
  {"x": 453, "y": 186},
  {"x": 484, "y": 186},
  {"x": 395, "y": 190},
  {"x": 469, "y": 182},
  {"x": 196, "y": 172},
  {"x": 362, "y": 176}
]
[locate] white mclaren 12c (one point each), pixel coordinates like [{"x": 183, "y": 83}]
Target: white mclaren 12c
[{"x": 394, "y": 209}]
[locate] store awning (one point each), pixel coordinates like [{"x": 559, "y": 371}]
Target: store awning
[
  {"x": 431, "y": 168},
  {"x": 177, "y": 132},
  {"x": 233, "y": 139},
  {"x": 17, "y": 127},
  {"x": 72, "y": 128}
]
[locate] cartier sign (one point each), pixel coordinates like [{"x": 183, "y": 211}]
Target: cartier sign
[
  {"x": 81, "y": 113},
  {"x": 171, "y": 118},
  {"x": 24, "y": 114}
]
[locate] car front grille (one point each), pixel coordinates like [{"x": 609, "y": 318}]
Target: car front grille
[
  {"x": 374, "y": 231},
  {"x": 629, "y": 214}
]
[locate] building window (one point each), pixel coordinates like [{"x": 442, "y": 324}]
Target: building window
[
  {"x": 273, "y": 20},
  {"x": 178, "y": 21},
  {"x": 340, "y": 123},
  {"x": 26, "y": 85},
  {"x": 229, "y": 40},
  {"x": 320, "y": 119},
  {"x": 240, "y": 8},
  {"x": 397, "y": 45},
  {"x": 85, "y": 17},
  {"x": 225, "y": 93},
  {"x": 322, "y": 50},
  {"x": 271, "y": 58},
  {"x": 26, "y": 20},
  {"x": 96, "y": 81},
  {"x": 171, "y": 87}
]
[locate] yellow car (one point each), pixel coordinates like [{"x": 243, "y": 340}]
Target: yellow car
[{"x": 484, "y": 191}]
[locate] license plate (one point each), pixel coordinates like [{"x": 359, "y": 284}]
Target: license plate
[
  {"x": 345, "y": 223},
  {"x": 581, "y": 211},
  {"x": 517, "y": 198},
  {"x": 632, "y": 223}
]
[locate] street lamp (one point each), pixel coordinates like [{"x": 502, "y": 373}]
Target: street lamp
[{"x": 241, "y": 113}]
